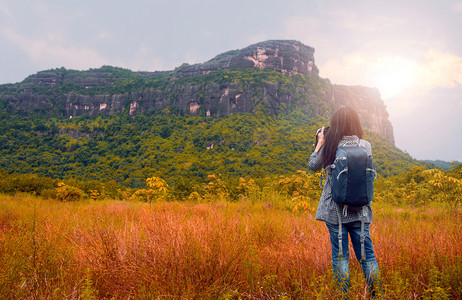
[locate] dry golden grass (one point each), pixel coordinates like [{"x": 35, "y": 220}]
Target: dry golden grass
[{"x": 171, "y": 250}]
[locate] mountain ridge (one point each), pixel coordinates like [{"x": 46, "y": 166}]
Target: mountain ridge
[
  {"x": 251, "y": 112},
  {"x": 274, "y": 76}
]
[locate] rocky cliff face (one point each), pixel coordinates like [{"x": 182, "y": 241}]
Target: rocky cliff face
[
  {"x": 65, "y": 92},
  {"x": 370, "y": 107},
  {"x": 287, "y": 57}
]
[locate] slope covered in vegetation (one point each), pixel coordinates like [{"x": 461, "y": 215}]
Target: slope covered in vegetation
[{"x": 177, "y": 148}]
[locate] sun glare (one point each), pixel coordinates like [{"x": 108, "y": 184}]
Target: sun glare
[{"x": 393, "y": 76}]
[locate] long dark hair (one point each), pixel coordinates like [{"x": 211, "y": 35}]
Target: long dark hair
[{"x": 344, "y": 122}]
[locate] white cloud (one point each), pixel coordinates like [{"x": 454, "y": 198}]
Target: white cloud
[
  {"x": 4, "y": 10},
  {"x": 457, "y": 7},
  {"x": 50, "y": 53},
  {"x": 103, "y": 36},
  {"x": 351, "y": 69},
  {"x": 403, "y": 106},
  {"x": 305, "y": 29},
  {"x": 440, "y": 69},
  {"x": 436, "y": 69},
  {"x": 404, "y": 83},
  {"x": 297, "y": 24}
]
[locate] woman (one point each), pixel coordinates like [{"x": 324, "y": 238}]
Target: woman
[{"x": 345, "y": 130}]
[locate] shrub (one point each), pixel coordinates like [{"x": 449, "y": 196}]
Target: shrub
[
  {"x": 66, "y": 192},
  {"x": 28, "y": 183}
]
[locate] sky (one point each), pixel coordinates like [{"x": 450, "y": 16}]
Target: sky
[{"x": 410, "y": 50}]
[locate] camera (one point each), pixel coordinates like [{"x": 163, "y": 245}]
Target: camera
[{"x": 326, "y": 128}]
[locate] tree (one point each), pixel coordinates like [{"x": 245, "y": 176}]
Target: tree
[
  {"x": 158, "y": 190},
  {"x": 448, "y": 189}
]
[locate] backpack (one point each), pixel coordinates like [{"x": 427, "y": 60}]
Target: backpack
[
  {"x": 353, "y": 177},
  {"x": 352, "y": 184}
]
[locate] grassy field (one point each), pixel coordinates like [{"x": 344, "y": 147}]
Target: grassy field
[{"x": 182, "y": 250}]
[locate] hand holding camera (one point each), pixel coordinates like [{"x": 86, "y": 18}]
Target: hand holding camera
[{"x": 320, "y": 134}]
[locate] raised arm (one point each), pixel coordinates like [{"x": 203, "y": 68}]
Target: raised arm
[{"x": 315, "y": 163}]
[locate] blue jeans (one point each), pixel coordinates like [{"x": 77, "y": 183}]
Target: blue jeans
[{"x": 340, "y": 262}]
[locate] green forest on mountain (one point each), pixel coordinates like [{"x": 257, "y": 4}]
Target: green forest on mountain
[
  {"x": 183, "y": 150},
  {"x": 124, "y": 150}
]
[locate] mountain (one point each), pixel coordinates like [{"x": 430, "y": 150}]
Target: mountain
[
  {"x": 445, "y": 165},
  {"x": 273, "y": 76},
  {"x": 248, "y": 112}
]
